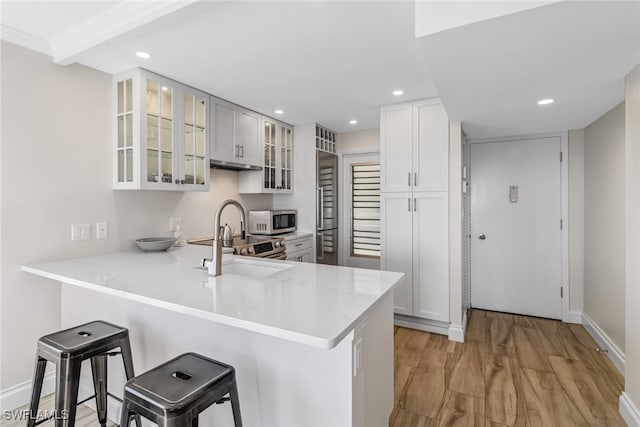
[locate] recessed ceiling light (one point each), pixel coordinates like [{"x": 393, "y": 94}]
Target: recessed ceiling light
[
  {"x": 398, "y": 92},
  {"x": 353, "y": 122},
  {"x": 143, "y": 55},
  {"x": 279, "y": 112},
  {"x": 546, "y": 101},
  {"x": 164, "y": 88}
]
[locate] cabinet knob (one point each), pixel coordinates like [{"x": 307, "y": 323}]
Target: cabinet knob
[
  {"x": 177, "y": 181},
  {"x": 182, "y": 181}
]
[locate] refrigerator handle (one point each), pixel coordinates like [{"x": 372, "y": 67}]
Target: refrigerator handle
[
  {"x": 320, "y": 246},
  {"x": 321, "y": 208}
]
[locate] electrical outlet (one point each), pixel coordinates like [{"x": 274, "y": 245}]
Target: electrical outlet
[
  {"x": 175, "y": 223},
  {"x": 80, "y": 232},
  {"x": 102, "y": 230}
]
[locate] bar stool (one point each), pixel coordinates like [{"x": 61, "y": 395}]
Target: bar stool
[
  {"x": 174, "y": 393},
  {"x": 67, "y": 349}
]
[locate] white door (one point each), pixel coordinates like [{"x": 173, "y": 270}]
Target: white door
[
  {"x": 361, "y": 210},
  {"x": 431, "y": 153},
  {"x": 395, "y": 252},
  {"x": 515, "y": 227},
  {"x": 396, "y": 147},
  {"x": 431, "y": 255},
  {"x": 248, "y": 137}
]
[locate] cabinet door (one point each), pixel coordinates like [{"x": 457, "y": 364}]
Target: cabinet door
[
  {"x": 126, "y": 168},
  {"x": 396, "y": 147},
  {"x": 195, "y": 157},
  {"x": 223, "y": 119},
  {"x": 431, "y": 256},
  {"x": 248, "y": 137},
  {"x": 269, "y": 129},
  {"x": 159, "y": 138},
  {"x": 431, "y": 155},
  {"x": 285, "y": 158},
  {"x": 396, "y": 215}
]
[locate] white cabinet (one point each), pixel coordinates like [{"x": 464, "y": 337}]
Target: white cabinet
[
  {"x": 236, "y": 134},
  {"x": 161, "y": 134},
  {"x": 414, "y": 146},
  {"x": 300, "y": 248},
  {"x": 277, "y": 153},
  {"x": 414, "y": 162}
]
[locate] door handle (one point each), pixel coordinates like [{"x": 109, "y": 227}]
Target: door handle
[
  {"x": 415, "y": 178},
  {"x": 409, "y": 179},
  {"x": 482, "y": 236},
  {"x": 409, "y": 204}
]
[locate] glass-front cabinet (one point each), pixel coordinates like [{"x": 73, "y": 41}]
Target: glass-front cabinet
[
  {"x": 162, "y": 134},
  {"x": 276, "y": 175}
]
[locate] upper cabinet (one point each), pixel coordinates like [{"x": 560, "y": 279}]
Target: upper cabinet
[
  {"x": 237, "y": 135},
  {"x": 414, "y": 146},
  {"x": 162, "y": 132},
  {"x": 276, "y": 175}
]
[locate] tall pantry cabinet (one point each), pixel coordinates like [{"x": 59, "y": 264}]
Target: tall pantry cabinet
[{"x": 414, "y": 160}]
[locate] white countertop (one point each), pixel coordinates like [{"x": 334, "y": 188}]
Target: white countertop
[
  {"x": 312, "y": 304},
  {"x": 287, "y": 236}
]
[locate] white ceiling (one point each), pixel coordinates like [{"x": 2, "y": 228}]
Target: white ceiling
[
  {"x": 490, "y": 74},
  {"x": 330, "y": 62}
]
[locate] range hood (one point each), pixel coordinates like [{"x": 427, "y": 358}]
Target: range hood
[{"x": 220, "y": 164}]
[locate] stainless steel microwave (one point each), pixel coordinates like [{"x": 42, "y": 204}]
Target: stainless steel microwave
[{"x": 272, "y": 222}]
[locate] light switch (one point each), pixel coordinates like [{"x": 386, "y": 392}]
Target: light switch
[{"x": 80, "y": 232}]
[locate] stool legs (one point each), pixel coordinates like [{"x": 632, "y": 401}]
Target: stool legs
[
  {"x": 36, "y": 390},
  {"x": 235, "y": 403},
  {"x": 99, "y": 371},
  {"x": 127, "y": 360},
  {"x": 67, "y": 382}
]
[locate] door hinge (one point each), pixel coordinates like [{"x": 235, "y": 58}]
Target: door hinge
[
  {"x": 561, "y": 157},
  {"x": 561, "y": 292},
  {"x": 561, "y": 224}
]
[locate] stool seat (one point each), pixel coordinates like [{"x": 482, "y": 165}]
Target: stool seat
[
  {"x": 93, "y": 337},
  {"x": 67, "y": 349},
  {"x": 174, "y": 393}
]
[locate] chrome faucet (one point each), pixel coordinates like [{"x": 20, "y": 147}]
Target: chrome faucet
[{"x": 215, "y": 266}]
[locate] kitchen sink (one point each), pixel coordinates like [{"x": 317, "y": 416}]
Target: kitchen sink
[{"x": 251, "y": 268}]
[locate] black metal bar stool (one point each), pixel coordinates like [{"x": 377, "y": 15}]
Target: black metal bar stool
[
  {"x": 174, "y": 393},
  {"x": 67, "y": 349}
]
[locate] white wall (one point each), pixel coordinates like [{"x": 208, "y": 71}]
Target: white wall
[
  {"x": 56, "y": 170},
  {"x": 632, "y": 144},
  {"x": 604, "y": 219},
  {"x": 576, "y": 224},
  {"x": 456, "y": 303},
  {"x": 361, "y": 141}
]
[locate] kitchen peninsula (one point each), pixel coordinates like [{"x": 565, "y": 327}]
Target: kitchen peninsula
[{"x": 312, "y": 344}]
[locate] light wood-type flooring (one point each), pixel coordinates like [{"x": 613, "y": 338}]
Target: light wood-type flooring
[{"x": 510, "y": 371}]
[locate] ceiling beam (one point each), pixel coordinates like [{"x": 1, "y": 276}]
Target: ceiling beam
[{"x": 123, "y": 17}]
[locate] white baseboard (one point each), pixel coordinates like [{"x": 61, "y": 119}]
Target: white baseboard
[
  {"x": 573, "y": 317},
  {"x": 20, "y": 395},
  {"x": 629, "y": 411},
  {"x": 613, "y": 351},
  {"x": 456, "y": 332},
  {"x": 436, "y": 327}
]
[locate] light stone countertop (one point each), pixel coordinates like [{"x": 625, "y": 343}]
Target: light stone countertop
[{"x": 311, "y": 304}]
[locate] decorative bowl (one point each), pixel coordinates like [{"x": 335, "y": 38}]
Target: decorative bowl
[{"x": 155, "y": 243}]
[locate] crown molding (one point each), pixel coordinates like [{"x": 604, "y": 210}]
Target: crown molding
[
  {"x": 25, "y": 39},
  {"x": 121, "y": 18}
]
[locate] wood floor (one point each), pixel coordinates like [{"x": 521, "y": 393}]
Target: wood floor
[{"x": 510, "y": 371}]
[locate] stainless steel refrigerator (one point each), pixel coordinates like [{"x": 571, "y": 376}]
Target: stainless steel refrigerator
[{"x": 326, "y": 208}]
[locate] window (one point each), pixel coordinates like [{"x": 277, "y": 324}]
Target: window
[{"x": 365, "y": 210}]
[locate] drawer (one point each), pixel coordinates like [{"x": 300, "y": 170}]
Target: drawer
[{"x": 295, "y": 245}]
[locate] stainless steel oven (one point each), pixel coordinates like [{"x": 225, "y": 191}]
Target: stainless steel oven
[{"x": 272, "y": 222}]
